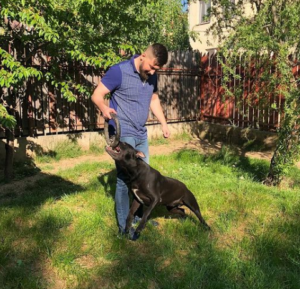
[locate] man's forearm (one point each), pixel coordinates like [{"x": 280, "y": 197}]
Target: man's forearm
[
  {"x": 157, "y": 110},
  {"x": 98, "y": 99}
]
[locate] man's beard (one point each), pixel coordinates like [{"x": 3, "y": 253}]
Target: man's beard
[{"x": 143, "y": 75}]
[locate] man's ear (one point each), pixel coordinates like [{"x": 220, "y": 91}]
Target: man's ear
[
  {"x": 143, "y": 56},
  {"x": 140, "y": 155}
]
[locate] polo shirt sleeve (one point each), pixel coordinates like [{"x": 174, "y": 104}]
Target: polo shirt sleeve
[
  {"x": 155, "y": 84},
  {"x": 153, "y": 81},
  {"x": 113, "y": 78}
]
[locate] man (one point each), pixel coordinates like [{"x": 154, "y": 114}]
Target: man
[{"x": 133, "y": 88}]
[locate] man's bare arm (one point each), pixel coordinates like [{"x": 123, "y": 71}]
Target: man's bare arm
[
  {"x": 98, "y": 99},
  {"x": 157, "y": 110}
]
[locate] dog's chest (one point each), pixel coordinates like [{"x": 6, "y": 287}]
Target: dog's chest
[
  {"x": 137, "y": 194},
  {"x": 143, "y": 195}
]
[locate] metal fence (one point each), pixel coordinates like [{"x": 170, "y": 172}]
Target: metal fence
[
  {"x": 40, "y": 108},
  {"x": 189, "y": 88},
  {"x": 246, "y": 110}
]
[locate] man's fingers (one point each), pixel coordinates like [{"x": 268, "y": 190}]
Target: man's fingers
[
  {"x": 166, "y": 133},
  {"x": 107, "y": 114}
]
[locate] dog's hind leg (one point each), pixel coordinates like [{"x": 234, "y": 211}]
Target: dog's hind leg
[
  {"x": 176, "y": 211},
  {"x": 190, "y": 201},
  {"x": 134, "y": 206}
]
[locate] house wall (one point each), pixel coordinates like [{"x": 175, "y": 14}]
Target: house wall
[{"x": 206, "y": 43}]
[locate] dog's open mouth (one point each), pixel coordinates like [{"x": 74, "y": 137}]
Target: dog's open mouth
[{"x": 114, "y": 150}]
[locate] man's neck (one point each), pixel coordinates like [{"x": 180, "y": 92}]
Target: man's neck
[{"x": 137, "y": 63}]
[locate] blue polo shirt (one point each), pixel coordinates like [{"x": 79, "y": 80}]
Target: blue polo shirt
[{"x": 130, "y": 97}]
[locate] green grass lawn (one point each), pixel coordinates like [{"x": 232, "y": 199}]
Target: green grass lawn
[{"x": 61, "y": 232}]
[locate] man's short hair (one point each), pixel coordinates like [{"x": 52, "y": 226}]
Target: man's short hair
[{"x": 160, "y": 52}]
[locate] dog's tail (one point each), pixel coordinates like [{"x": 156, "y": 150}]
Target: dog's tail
[{"x": 190, "y": 201}]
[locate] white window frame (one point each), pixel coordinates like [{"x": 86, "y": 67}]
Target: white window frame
[{"x": 203, "y": 7}]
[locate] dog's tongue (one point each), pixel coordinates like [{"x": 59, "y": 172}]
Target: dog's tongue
[{"x": 117, "y": 149}]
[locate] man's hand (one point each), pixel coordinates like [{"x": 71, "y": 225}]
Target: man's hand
[
  {"x": 166, "y": 131},
  {"x": 98, "y": 99},
  {"x": 106, "y": 111}
]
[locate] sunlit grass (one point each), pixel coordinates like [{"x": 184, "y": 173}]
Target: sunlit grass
[
  {"x": 68, "y": 150},
  {"x": 159, "y": 141},
  {"x": 61, "y": 231},
  {"x": 97, "y": 148},
  {"x": 163, "y": 141},
  {"x": 62, "y": 150}
]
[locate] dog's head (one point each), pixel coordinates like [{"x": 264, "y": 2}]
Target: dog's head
[{"x": 124, "y": 153}]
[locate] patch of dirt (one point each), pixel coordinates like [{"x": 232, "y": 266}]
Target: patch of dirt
[
  {"x": 17, "y": 187},
  {"x": 69, "y": 163},
  {"x": 203, "y": 146}
]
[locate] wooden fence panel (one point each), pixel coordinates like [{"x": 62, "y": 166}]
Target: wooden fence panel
[
  {"x": 189, "y": 85},
  {"x": 245, "y": 110},
  {"x": 179, "y": 86}
]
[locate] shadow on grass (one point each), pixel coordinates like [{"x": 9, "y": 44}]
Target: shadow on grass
[
  {"x": 277, "y": 254},
  {"x": 256, "y": 169},
  {"x": 174, "y": 255},
  {"x": 108, "y": 181},
  {"x": 165, "y": 261},
  {"x": 185, "y": 256},
  {"x": 24, "y": 221},
  {"x": 35, "y": 192},
  {"x": 22, "y": 170}
]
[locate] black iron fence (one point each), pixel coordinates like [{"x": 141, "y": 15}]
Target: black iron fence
[{"x": 189, "y": 87}]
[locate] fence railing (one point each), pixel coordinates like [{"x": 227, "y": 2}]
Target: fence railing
[
  {"x": 246, "y": 110},
  {"x": 189, "y": 86}
]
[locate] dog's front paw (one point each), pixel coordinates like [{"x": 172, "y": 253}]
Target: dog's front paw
[
  {"x": 132, "y": 234},
  {"x": 135, "y": 236}
]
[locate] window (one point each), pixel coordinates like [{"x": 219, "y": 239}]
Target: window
[{"x": 204, "y": 15}]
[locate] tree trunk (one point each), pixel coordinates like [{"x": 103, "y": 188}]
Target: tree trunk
[
  {"x": 286, "y": 150},
  {"x": 272, "y": 179},
  {"x": 9, "y": 157}
]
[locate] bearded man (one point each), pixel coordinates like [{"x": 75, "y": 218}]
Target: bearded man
[{"x": 133, "y": 88}]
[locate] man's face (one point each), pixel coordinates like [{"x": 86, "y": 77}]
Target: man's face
[{"x": 148, "y": 66}]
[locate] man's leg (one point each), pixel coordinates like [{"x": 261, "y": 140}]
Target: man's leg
[
  {"x": 121, "y": 195},
  {"x": 142, "y": 145}
]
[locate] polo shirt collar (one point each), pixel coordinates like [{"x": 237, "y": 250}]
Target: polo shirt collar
[{"x": 132, "y": 62}]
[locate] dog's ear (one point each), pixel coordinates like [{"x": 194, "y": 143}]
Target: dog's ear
[{"x": 140, "y": 154}]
